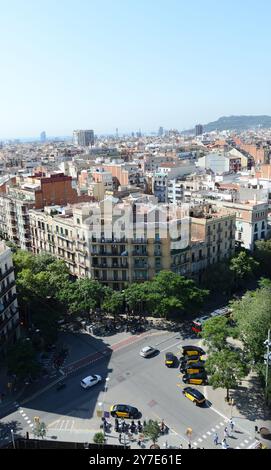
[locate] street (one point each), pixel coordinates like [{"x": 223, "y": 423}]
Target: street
[{"x": 71, "y": 413}]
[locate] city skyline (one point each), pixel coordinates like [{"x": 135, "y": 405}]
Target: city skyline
[{"x": 105, "y": 65}]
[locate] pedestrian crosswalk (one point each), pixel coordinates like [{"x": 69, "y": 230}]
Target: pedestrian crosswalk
[
  {"x": 62, "y": 425},
  {"x": 244, "y": 439}
]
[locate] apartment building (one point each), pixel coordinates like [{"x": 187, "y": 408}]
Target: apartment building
[
  {"x": 251, "y": 221},
  {"x": 37, "y": 191},
  {"x": 137, "y": 247},
  {"x": 9, "y": 313}
]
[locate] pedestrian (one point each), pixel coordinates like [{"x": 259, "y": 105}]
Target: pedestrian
[
  {"x": 120, "y": 438},
  {"x": 232, "y": 424},
  {"x": 215, "y": 438},
  {"x": 181, "y": 446},
  {"x": 224, "y": 444},
  {"x": 189, "y": 445},
  {"x": 226, "y": 432}
]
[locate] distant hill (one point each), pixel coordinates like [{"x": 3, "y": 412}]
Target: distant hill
[{"x": 238, "y": 123}]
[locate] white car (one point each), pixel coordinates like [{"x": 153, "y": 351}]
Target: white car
[
  {"x": 147, "y": 351},
  {"x": 90, "y": 381}
]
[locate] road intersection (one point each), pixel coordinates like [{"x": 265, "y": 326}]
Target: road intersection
[{"x": 145, "y": 383}]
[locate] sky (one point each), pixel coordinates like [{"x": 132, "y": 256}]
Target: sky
[{"x": 131, "y": 64}]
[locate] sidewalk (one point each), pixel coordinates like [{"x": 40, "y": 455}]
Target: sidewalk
[{"x": 248, "y": 409}]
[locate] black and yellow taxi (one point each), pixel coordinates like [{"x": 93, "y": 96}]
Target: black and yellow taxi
[
  {"x": 195, "y": 379},
  {"x": 194, "y": 395},
  {"x": 185, "y": 360},
  {"x": 169, "y": 359},
  {"x": 193, "y": 351},
  {"x": 124, "y": 411},
  {"x": 192, "y": 368}
]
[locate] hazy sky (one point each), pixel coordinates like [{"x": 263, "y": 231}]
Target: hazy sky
[{"x": 131, "y": 64}]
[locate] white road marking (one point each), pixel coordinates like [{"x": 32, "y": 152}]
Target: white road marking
[
  {"x": 217, "y": 427},
  {"x": 31, "y": 425},
  {"x": 29, "y": 421},
  {"x": 171, "y": 346},
  {"x": 204, "y": 436},
  {"x": 242, "y": 444},
  {"x": 21, "y": 411},
  {"x": 23, "y": 414},
  {"x": 221, "y": 424},
  {"x": 199, "y": 439},
  {"x": 237, "y": 447},
  {"x": 246, "y": 441},
  {"x": 213, "y": 429},
  {"x": 209, "y": 433}
]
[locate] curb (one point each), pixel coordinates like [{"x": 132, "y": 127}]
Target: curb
[{"x": 102, "y": 354}]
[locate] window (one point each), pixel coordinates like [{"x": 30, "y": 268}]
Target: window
[
  {"x": 78, "y": 221},
  {"x": 263, "y": 225},
  {"x": 193, "y": 257},
  {"x": 256, "y": 228}
]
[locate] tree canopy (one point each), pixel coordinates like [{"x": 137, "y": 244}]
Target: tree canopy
[{"x": 226, "y": 369}]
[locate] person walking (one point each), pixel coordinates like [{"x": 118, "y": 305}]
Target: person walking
[
  {"x": 215, "y": 438},
  {"x": 120, "y": 438},
  {"x": 224, "y": 444},
  {"x": 180, "y": 446},
  {"x": 226, "y": 432},
  {"x": 232, "y": 424}
]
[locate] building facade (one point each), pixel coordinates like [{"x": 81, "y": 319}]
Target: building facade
[
  {"x": 116, "y": 260},
  {"x": 9, "y": 313}
]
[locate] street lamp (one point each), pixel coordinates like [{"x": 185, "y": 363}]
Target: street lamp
[{"x": 12, "y": 437}]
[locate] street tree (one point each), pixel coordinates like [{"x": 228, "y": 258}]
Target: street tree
[
  {"x": 244, "y": 267},
  {"x": 215, "y": 332},
  {"x": 99, "y": 438},
  {"x": 40, "y": 430},
  {"x": 82, "y": 295},
  {"x": 253, "y": 317},
  {"x": 22, "y": 361},
  {"x": 262, "y": 254},
  {"x": 113, "y": 302},
  {"x": 152, "y": 430},
  {"x": 218, "y": 278},
  {"x": 225, "y": 369}
]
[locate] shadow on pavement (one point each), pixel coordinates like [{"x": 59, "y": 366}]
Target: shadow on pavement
[{"x": 249, "y": 400}]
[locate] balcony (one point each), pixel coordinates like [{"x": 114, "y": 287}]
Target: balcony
[
  {"x": 6, "y": 273},
  {"x": 6, "y": 303},
  {"x": 139, "y": 241},
  {"x": 139, "y": 254},
  {"x": 7, "y": 288},
  {"x": 8, "y": 319}
]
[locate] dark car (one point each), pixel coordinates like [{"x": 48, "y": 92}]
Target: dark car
[
  {"x": 195, "y": 379},
  {"x": 124, "y": 411},
  {"x": 169, "y": 359},
  {"x": 186, "y": 367},
  {"x": 193, "y": 351},
  {"x": 194, "y": 395}
]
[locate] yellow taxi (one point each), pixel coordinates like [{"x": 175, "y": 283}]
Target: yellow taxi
[
  {"x": 194, "y": 395},
  {"x": 169, "y": 359}
]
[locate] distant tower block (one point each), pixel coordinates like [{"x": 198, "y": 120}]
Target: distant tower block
[
  {"x": 199, "y": 129},
  {"x": 117, "y": 133},
  {"x": 43, "y": 136}
]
